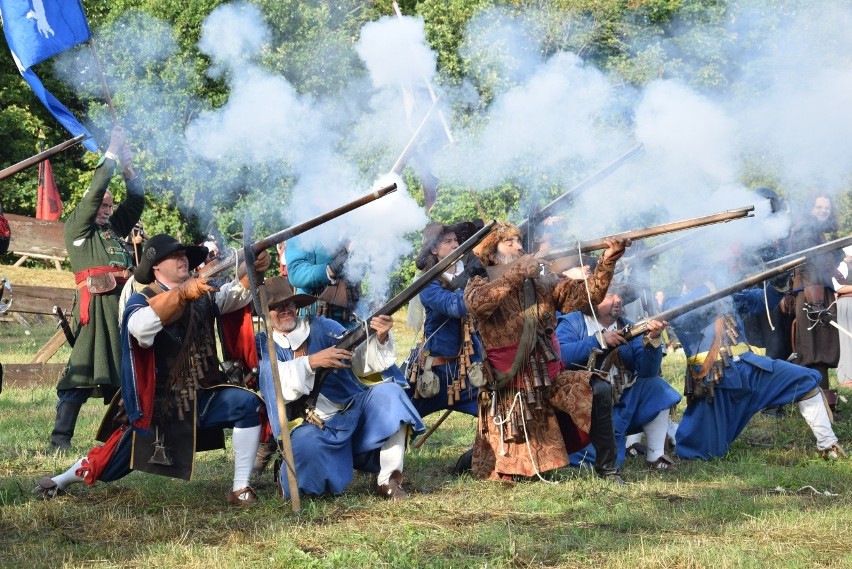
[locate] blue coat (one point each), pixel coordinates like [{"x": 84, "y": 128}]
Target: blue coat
[
  {"x": 324, "y": 458},
  {"x": 639, "y": 403},
  {"x": 444, "y": 310},
  {"x": 750, "y": 384}
]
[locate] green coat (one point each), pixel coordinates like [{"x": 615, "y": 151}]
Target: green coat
[{"x": 95, "y": 358}]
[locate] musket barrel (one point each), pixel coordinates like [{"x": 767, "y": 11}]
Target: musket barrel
[
  {"x": 358, "y": 335},
  {"x": 43, "y": 155},
  {"x": 815, "y": 250},
  {"x": 220, "y": 265},
  {"x": 590, "y": 181},
  {"x": 633, "y": 330},
  {"x": 598, "y": 244}
]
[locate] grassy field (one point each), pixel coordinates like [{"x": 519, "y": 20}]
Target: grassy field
[{"x": 771, "y": 502}]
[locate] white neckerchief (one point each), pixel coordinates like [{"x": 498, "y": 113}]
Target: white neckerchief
[
  {"x": 295, "y": 338},
  {"x": 459, "y": 267}
]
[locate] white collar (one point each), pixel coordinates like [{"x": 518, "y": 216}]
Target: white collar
[
  {"x": 294, "y": 339},
  {"x": 592, "y": 325}
]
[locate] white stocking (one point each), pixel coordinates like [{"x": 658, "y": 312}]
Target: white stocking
[
  {"x": 816, "y": 416},
  {"x": 655, "y": 435},
  {"x": 69, "y": 476},
  {"x": 245, "y": 441},
  {"x": 390, "y": 455}
]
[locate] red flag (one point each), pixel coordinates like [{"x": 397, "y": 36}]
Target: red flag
[{"x": 49, "y": 205}]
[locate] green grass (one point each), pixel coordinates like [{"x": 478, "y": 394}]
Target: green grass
[{"x": 745, "y": 510}]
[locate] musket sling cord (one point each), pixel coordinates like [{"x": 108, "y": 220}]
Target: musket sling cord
[
  {"x": 586, "y": 285},
  {"x": 766, "y": 305},
  {"x": 500, "y": 423}
]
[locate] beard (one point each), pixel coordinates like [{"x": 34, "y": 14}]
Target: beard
[
  {"x": 507, "y": 259},
  {"x": 286, "y": 327}
]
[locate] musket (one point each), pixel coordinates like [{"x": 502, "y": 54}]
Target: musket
[
  {"x": 600, "y": 243},
  {"x": 220, "y": 265},
  {"x": 656, "y": 250},
  {"x": 354, "y": 337},
  {"x": 63, "y": 323},
  {"x": 633, "y": 330},
  {"x": 41, "y": 156},
  {"x": 577, "y": 190},
  {"x": 816, "y": 250},
  {"x": 357, "y": 335}
]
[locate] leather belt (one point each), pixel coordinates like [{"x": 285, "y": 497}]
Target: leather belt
[
  {"x": 735, "y": 350},
  {"x": 442, "y": 360},
  {"x": 119, "y": 274}
]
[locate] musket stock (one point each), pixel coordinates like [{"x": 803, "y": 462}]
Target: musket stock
[
  {"x": 220, "y": 265},
  {"x": 43, "y": 155},
  {"x": 599, "y": 244},
  {"x": 633, "y": 330}
]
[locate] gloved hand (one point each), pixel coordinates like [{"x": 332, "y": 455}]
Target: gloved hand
[
  {"x": 336, "y": 265},
  {"x": 168, "y": 305},
  {"x": 471, "y": 269},
  {"x": 193, "y": 289}
]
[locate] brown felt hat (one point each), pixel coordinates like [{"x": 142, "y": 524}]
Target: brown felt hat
[
  {"x": 158, "y": 248},
  {"x": 488, "y": 246},
  {"x": 279, "y": 291}
]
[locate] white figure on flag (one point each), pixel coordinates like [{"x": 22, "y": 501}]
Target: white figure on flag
[{"x": 40, "y": 17}]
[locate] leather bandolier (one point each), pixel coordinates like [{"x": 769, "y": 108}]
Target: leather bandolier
[
  {"x": 420, "y": 361},
  {"x": 185, "y": 352},
  {"x": 527, "y": 375},
  {"x": 727, "y": 344}
]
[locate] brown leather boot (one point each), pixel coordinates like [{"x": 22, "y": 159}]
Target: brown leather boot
[
  {"x": 393, "y": 490},
  {"x": 265, "y": 452}
]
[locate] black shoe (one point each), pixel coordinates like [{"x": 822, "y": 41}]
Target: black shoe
[{"x": 464, "y": 463}]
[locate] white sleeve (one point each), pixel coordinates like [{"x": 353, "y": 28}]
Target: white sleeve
[
  {"x": 297, "y": 378},
  {"x": 143, "y": 325},
  {"x": 232, "y": 296},
  {"x": 372, "y": 357},
  {"x": 843, "y": 269}
]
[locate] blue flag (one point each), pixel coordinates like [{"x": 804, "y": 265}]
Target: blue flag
[{"x": 38, "y": 29}]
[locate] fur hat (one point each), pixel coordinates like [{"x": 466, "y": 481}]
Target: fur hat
[
  {"x": 158, "y": 248},
  {"x": 488, "y": 246},
  {"x": 280, "y": 291}
]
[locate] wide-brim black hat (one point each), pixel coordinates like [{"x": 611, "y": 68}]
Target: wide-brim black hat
[
  {"x": 279, "y": 291},
  {"x": 158, "y": 248}
]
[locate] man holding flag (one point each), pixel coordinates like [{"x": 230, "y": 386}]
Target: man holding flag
[{"x": 101, "y": 266}]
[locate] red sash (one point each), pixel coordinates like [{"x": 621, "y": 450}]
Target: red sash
[{"x": 85, "y": 296}]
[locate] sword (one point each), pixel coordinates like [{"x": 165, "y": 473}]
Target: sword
[{"x": 63, "y": 323}]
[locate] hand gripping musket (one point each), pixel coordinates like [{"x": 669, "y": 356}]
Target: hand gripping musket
[
  {"x": 633, "y": 330},
  {"x": 598, "y": 244},
  {"x": 564, "y": 199},
  {"x": 261, "y": 303},
  {"x": 41, "y": 156},
  {"x": 356, "y": 336},
  {"x": 814, "y": 251},
  {"x": 220, "y": 265}
]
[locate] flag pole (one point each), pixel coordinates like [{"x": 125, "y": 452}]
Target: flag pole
[{"x": 128, "y": 169}]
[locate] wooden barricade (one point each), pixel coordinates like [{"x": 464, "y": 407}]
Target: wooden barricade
[{"x": 37, "y": 239}]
